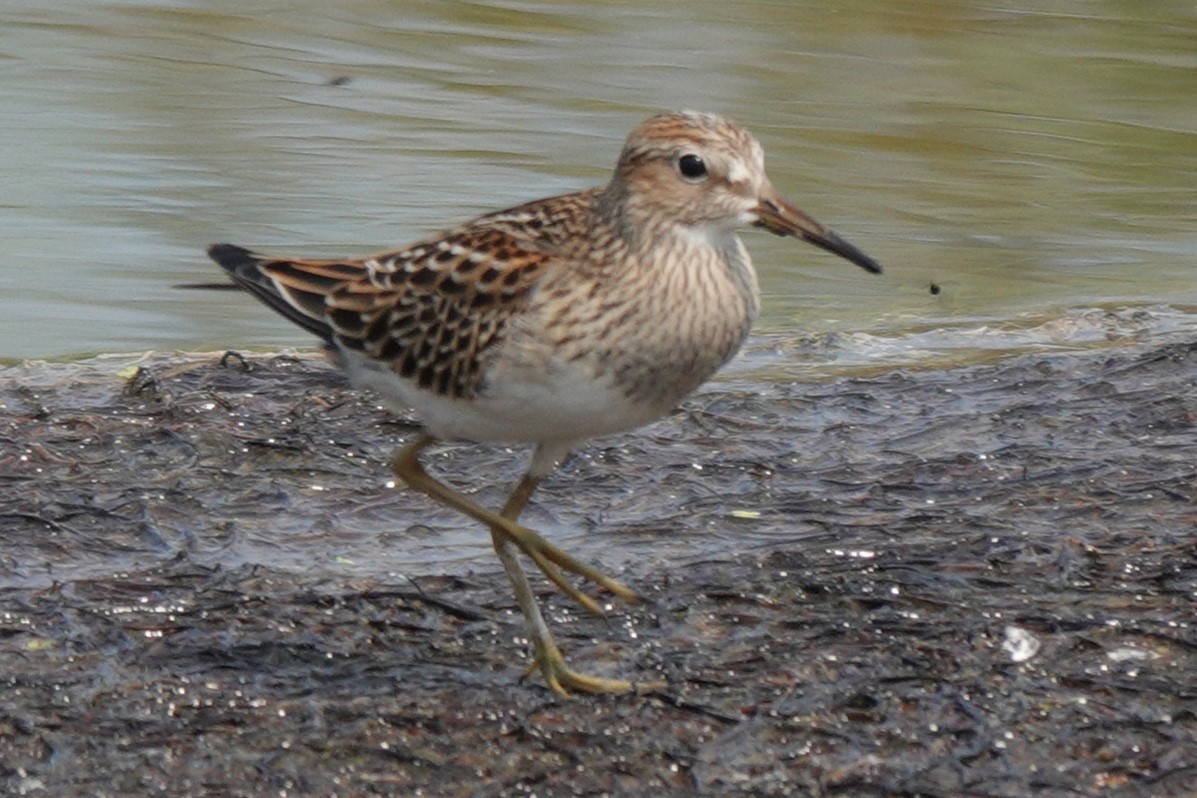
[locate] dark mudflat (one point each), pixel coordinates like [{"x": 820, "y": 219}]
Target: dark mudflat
[{"x": 978, "y": 581}]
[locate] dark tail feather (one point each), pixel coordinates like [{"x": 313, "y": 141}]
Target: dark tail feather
[
  {"x": 207, "y": 286},
  {"x": 242, "y": 265},
  {"x": 233, "y": 259}
]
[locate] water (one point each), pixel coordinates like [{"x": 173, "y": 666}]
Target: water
[{"x": 1032, "y": 160}]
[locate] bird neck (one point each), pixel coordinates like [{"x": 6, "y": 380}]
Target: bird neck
[{"x": 611, "y": 206}]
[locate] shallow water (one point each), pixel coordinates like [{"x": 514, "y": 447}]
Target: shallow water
[
  {"x": 1034, "y": 161},
  {"x": 122, "y": 463}
]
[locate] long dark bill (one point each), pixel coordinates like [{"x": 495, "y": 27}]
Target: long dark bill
[{"x": 777, "y": 215}]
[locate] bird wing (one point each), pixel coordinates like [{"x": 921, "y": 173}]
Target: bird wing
[{"x": 430, "y": 311}]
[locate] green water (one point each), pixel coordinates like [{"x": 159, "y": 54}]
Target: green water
[{"x": 1037, "y": 162}]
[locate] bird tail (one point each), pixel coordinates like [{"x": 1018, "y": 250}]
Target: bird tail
[{"x": 253, "y": 272}]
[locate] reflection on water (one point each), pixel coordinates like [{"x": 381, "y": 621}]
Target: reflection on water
[{"x": 1026, "y": 160}]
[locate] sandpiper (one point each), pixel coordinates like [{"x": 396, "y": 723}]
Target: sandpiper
[{"x": 554, "y": 322}]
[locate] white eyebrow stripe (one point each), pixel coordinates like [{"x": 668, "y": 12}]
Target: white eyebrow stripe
[{"x": 737, "y": 173}]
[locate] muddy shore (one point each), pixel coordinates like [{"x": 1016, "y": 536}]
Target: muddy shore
[{"x": 977, "y": 581}]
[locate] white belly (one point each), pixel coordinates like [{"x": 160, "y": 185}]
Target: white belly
[{"x": 557, "y": 404}]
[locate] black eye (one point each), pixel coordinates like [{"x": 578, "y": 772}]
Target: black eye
[{"x": 692, "y": 167}]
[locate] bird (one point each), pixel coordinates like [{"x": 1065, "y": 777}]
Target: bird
[{"x": 551, "y": 323}]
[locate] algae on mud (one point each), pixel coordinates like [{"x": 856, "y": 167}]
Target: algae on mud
[{"x": 187, "y": 606}]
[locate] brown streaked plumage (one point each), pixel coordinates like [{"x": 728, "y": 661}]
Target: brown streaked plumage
[{"x": 554, "y": 321}]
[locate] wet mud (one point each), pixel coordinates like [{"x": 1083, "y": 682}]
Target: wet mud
[{"x": 975, "y": 581}]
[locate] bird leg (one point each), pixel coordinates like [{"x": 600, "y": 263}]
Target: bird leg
[
  {"x": 547, "y": 557},
  {"x": 546, "y": 657},
  {"x": 508, "y": 537}
]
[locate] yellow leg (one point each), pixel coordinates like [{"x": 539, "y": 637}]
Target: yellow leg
[
  {"x": 547, "y": 557},
  {"x": 509, "y": 538}
]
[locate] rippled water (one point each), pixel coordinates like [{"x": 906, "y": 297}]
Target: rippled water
[{"x": 1035, "y": 161}]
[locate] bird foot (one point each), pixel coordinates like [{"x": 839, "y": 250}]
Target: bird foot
[{"x": 565, "y": 681}]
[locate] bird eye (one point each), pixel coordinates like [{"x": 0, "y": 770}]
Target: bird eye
[{"x": 692, "y": 167}]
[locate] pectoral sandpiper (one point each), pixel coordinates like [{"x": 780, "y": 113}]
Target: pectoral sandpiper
[{"x": 553, "y": 322}]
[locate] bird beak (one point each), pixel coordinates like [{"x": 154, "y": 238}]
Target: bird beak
[{"x": 777, "y": 215}]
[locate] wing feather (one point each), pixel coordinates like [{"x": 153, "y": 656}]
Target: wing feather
[{"x": 431, "y": 310}]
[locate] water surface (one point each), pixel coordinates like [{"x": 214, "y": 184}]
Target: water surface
[{"x": 1034, "y": 161}]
